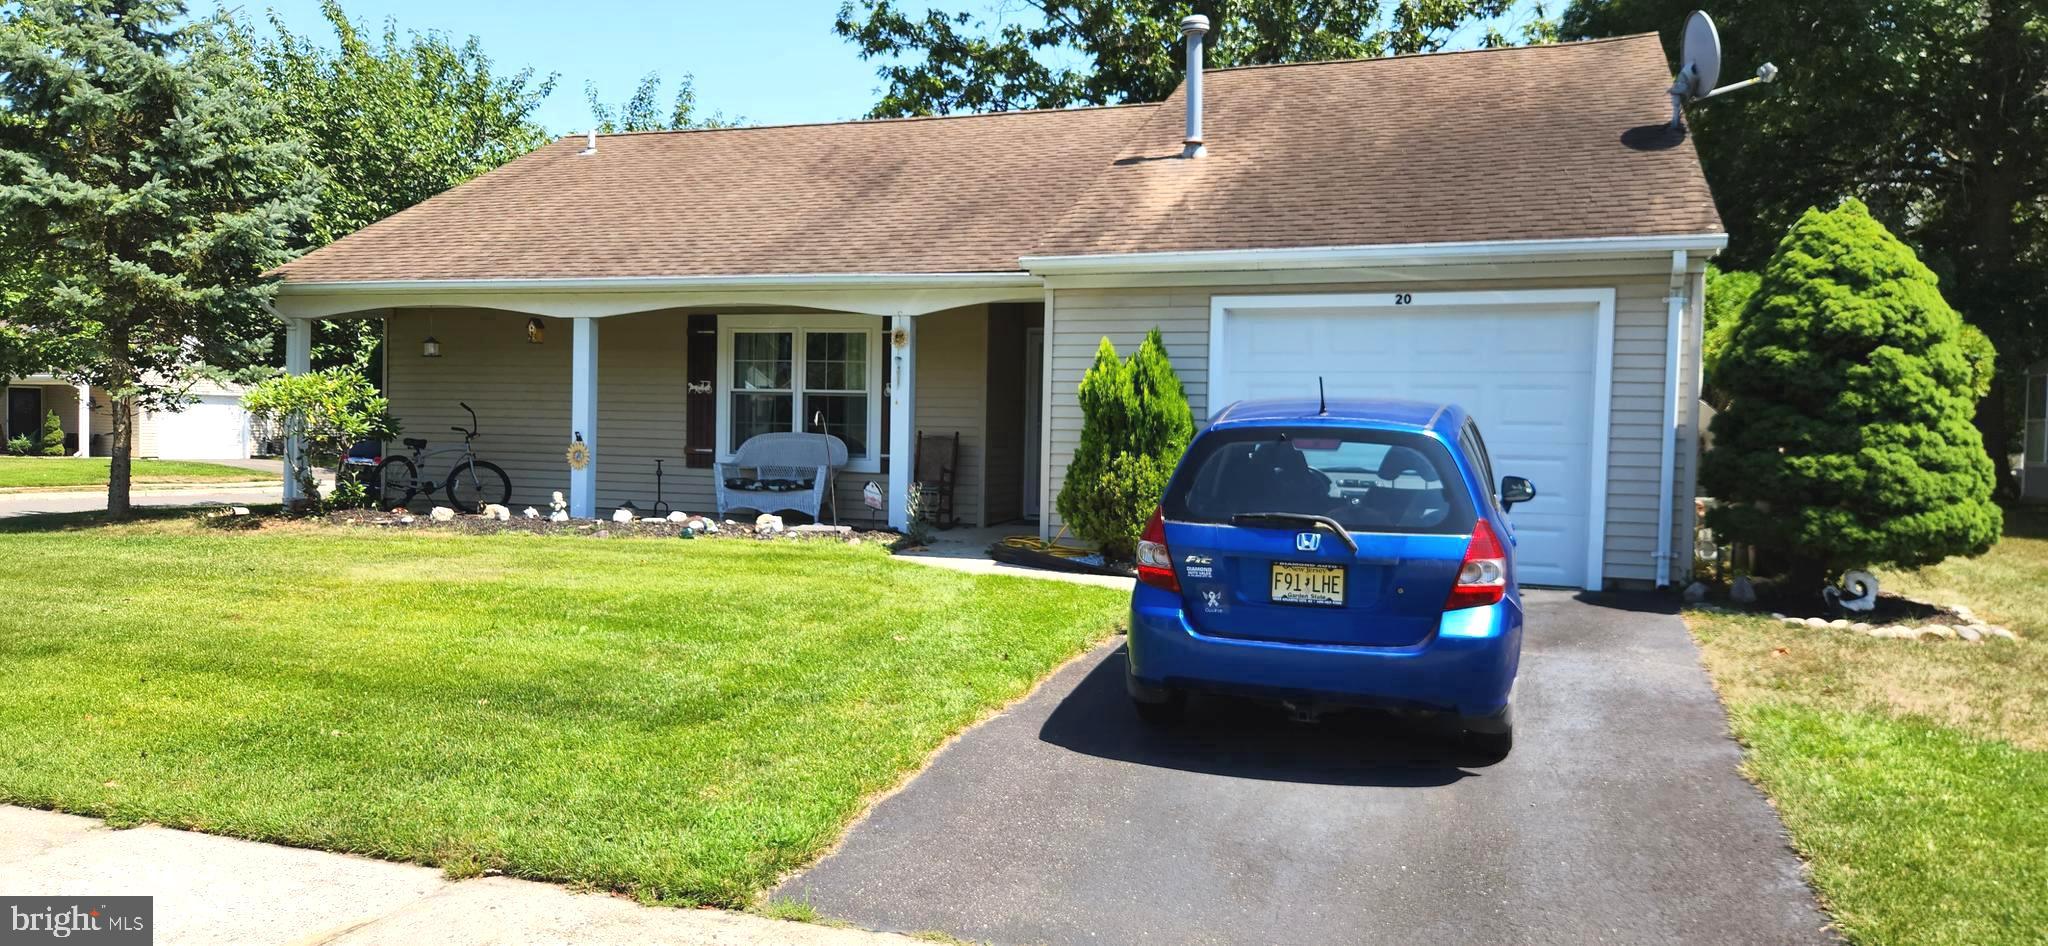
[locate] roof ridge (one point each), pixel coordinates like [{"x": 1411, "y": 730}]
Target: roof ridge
[
  {"x": 870, "y": 121},
  {"x": 1526, "y": 47}
]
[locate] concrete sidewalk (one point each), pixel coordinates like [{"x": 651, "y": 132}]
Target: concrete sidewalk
[{"x": 211, "y": 890}]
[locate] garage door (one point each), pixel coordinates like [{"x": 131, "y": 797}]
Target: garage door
[
  {"x": 1526, "y": 371},
  {"x": 214, "y": 428}
]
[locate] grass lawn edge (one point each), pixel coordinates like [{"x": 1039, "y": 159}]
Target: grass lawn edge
[{"x": 874, "y": 800}]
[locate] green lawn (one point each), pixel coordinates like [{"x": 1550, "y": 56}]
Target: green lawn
[
  {"x": 682, "y": 720},
  {"x": 46, "y": 472},
  {"x": 1913, "y": 775}
]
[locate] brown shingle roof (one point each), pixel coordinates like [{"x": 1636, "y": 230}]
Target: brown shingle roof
[
  {"x": 1493, "y": 145},
  {"x": 1509, "y": 144}
]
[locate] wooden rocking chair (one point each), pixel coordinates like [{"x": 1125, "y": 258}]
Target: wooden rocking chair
[{"x": 934, "y": 473}]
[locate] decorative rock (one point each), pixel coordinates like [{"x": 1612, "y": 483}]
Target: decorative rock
[
  {"x": 1742, "y": 591},
  {"x": 1883, "y": 631},
  {"x": 678, "y": 517},
  {"x": 2002, "y": 633},
  {"x": 1860, "y": 626},
  {"x": 1897, "y": 632},
  {"x": 604, "y": 533},
  {"x": 531, "y": 513},
  {"x": 686, "y": 534},
  {"x": 1971, "y": 632},
  {"x": 622, "y": 515},
  {"x": 768, "y": 523},
  {"x": 1816, "y": 622},
  {"x": 405, "y": 520},
  {"x": 1696, "y": 592},
  {"x": 442, "y": 514},
  {"x": 238, "y": 510},
  {"x": 819, "y": 528},
  {"x": 1780, "y": 615},
  {"x": 1794, "y": 622},
  {"x": 500, "y": 513},
  {"x": 1939, "y": 630},
  {"x": 1840, "y": 624}
]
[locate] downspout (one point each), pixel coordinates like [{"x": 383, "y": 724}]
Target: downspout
[{"x": 1668, "y": 451}]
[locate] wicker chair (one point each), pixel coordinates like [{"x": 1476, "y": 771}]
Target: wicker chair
[{"x": 783, "y": 471}]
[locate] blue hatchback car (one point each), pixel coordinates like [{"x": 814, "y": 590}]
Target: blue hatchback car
[{"x": 1348, "y": 553}]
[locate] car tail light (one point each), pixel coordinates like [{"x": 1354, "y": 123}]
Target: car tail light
[
  {"x": 1483, "y": 576},
  {"x": 1155, "y": 561}
]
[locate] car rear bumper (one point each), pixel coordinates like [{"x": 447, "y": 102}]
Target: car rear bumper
[{"x": 1467, "y": 667}]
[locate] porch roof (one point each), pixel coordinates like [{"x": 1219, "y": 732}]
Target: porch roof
[{"x": 1467, "y": 148}]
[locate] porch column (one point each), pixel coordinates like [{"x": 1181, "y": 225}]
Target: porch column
[
  {"x": 298, "y": 359},
  {"x": 84, "y": 420},
  {"x": 902, "y": 416},
  {"x": 583, "y": 417}
]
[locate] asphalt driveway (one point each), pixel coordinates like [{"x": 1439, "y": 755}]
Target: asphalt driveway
[{"x": 1619, "y": 818}]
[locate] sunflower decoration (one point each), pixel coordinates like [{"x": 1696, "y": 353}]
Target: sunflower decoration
[{"x": 578, "y": 455}]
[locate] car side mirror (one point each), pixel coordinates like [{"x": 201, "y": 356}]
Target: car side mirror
[{"x": 1514, "y": 489}]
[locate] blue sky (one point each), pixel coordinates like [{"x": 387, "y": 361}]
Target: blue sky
[{"x": 769, "y": 61}]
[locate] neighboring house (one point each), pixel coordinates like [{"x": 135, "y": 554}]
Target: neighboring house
[
  {"x": 1471, "y": 226},
  {"x": 212, "y": 426}
]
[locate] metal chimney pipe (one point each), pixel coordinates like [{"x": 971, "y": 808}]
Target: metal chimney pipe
[
  {"x": 589, "y": 143},
  {"x": 1193, "y": 27}
]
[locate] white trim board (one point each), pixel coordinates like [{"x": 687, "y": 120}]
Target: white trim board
[
  {"x": 1319, "y": 257},
  {"x": 1600, "y": 300}
]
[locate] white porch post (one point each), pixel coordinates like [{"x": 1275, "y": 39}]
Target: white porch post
[
  {"x": 298, "y": 359},
  {"x": 902, "y": 416},
  {"x": 84, "y": 420},
  {"x": 583, "y": 417}
]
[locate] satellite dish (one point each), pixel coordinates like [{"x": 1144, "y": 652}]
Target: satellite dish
[
  {"x": 1700, "y": 53},
  {"x": 1699, "y": 67}
]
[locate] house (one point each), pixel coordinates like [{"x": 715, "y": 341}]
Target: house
[
  {"x": 1506, "y": 228},
  {"x": 211, "y": 425}
]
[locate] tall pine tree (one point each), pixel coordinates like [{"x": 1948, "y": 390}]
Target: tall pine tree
[
  {"x": 1847, "y": 440},
  {"x": 147, "y": 184}
]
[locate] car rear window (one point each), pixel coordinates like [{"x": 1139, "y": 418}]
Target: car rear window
[{"x": 1368, "y": 480}]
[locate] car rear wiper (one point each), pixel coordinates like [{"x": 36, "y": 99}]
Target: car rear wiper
[{"x": 1248, "y": 518}]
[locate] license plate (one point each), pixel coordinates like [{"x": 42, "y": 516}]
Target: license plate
[{"x": 1308, "y": 584}]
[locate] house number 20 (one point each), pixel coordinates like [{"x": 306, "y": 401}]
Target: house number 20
[{"x": 1402, "y": 298}]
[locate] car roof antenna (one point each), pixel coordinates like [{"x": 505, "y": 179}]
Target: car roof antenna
[{"x": 1322, "y": 400}]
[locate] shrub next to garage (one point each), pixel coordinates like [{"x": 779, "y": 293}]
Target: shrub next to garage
[
  {"x": 1848, "y": 439},
  {"x": 1135, "y": 423}
]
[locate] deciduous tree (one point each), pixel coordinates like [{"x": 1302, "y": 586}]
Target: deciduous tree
[
  {"x": 1058, "y": 53},
  {"x": 1932, "y": 112}
]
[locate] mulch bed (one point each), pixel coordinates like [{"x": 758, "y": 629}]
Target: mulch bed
[{"x": 596, "y": 528}]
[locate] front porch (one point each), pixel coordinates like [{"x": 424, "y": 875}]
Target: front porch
[{"x": 685, "y": 386}]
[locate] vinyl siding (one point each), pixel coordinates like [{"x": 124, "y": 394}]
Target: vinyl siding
[
  {"x": 1083, "y": 315},
  {"x": 952, "y": 395},
  {"x": 521, "y": 395}
]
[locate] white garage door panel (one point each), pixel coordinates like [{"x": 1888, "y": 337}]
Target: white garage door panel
[
  {"x": 1526, "y": 372},
  {"x": 214, "y": 428}
]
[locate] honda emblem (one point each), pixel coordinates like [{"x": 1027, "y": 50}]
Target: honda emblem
[{"x": 1308, "y": 541}]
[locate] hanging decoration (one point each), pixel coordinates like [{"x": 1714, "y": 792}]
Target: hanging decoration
[
  {"x": 578, "y": 454},
  {"x": 536, "y": 331}
]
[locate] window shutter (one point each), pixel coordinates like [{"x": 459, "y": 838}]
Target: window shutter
[{"x": 700, "y": 426}]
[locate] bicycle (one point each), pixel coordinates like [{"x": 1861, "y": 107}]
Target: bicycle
[{"x": 471, "y": 483}]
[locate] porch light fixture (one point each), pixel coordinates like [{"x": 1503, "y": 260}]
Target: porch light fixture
[
  {"x": 431, "y": 348},
  {"x": 536, "y": 330}
]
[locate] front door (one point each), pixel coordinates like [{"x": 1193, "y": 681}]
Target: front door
[
  {"x": 1034, "y": 370},
  {"x": 24, "y": 412}
]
